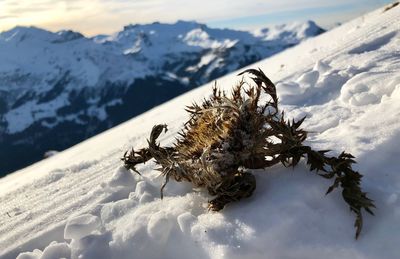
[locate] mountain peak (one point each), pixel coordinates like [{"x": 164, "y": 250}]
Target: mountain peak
[
  {"x": 20, "y": 33},
  {"x": 290, "y": 32},
  {"x": 68, "y": 35},
  {"x": 182, "y": 24},
  {"x": 23, "y": 33}
]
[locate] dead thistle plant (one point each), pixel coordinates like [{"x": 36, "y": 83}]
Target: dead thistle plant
[{"x": 226, "y": 135}]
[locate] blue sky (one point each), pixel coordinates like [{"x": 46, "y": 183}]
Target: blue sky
[
  {"x": 326, "y": 16},
  {"x": 106, "y": 16}
]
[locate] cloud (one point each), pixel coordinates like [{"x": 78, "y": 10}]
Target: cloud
[{"x": 7, "y": 16}]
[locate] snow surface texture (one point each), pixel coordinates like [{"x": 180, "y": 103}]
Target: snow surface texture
[{"x": 82, "y": 203}]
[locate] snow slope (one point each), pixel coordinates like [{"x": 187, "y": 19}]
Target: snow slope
[{"x": 82, "y": 203}]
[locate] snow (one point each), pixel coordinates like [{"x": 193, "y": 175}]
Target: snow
[
  {"x": 81, "y": 226},
  {"x": 346, "y": 81},
  {"x": 31, "y": 111},
  {"x": 54, "y": 250},
  {"x": 289, "y": 32}
]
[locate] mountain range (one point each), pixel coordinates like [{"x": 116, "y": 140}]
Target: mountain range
[{"x": 59, "y": 88}]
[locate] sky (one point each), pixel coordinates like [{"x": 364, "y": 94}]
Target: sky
[{"x": 92, "y": 17}]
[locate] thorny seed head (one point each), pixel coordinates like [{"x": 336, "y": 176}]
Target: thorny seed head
[{"x": 228, "y": 133}]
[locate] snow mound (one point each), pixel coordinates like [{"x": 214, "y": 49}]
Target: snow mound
[
  {"x": 81, "y": 226},
  {"x": 345, "y": 81},
  {"x": 52, "y": 251}
]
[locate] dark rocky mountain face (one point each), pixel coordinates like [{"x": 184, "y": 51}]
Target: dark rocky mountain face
[{"x": 57, "y": 89}]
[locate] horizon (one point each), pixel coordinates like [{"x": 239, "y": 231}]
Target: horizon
[{"x": 96, "y": 17}]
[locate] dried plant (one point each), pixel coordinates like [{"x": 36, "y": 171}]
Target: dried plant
[
  {"x": 387, "y": 8},
  {"x": 227, "y": 135}
]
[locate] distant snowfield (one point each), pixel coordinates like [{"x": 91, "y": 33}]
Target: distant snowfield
[{"x": 82, "y": 203}]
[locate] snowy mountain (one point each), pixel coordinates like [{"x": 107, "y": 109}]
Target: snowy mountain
[
  {"x": 57, "y": 89},
  {"x": 82, "y": 203}
]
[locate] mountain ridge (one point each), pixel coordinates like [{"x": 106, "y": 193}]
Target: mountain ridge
[{"x": 58, "y": 88}]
